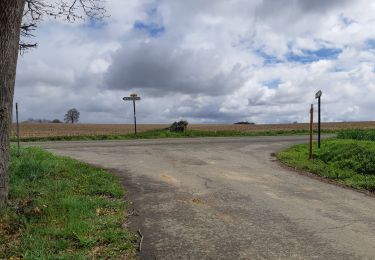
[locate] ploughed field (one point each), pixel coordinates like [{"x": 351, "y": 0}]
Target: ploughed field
[{"x": 56, "y": 130}]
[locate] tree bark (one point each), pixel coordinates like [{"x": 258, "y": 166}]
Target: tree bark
[{"x": 10, "y": 22}]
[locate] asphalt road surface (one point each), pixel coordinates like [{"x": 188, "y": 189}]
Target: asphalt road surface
[{"x": 228, "y": 198}]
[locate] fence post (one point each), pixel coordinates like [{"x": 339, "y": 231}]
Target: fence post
[{"x": 311, "y": 132}]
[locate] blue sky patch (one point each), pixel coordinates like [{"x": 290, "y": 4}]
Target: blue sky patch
[
  {"x": 268, "y": 59},
  {"x": 346, "y": 20},
  {"x": 152, "y": 29},
  {"x": 95, "y": 24},
  {"x": 371, "y": 43},
  {"x": 309, "y": 56},
  {"x": 272, "y": 84}
]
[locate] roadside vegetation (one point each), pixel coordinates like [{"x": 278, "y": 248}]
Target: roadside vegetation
[
  {"x": 349, "y": 159},
  {"x": 162, "y": 133},
  {"x": 357, "y": 134},
  {"x": 60, "y": 208}
]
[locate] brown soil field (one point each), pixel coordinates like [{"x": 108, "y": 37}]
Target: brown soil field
[
  {"x": 47, "y": 130},
  {"x": 285, "y": 127}
]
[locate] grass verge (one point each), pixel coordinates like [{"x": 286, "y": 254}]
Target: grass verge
[
  {"x": 155, "y": 134},
  {"x": 357, "y": 134},
  {"x": 60, "y": 208},
  {"x": 349, "y": 162}
]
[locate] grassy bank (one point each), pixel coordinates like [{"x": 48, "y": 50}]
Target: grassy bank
[
  {"x": 60, "y": 208},
  {"x": 155, "y": 134},
  {"x": 349, "y": 162},
  {"x": 357, "y": 134}
]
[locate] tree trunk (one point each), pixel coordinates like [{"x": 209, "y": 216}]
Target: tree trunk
[{"x": 10, "y": 21}]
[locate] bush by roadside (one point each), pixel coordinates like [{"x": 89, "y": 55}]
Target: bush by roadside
[
  {"x": 179, "y": 126},
  {"x": 60, "y": 208}
]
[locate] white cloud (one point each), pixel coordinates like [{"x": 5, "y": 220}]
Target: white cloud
[{"x": 206, "y": 61}]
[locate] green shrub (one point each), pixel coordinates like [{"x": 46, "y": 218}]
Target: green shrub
[{"x": 179, "y": 126}]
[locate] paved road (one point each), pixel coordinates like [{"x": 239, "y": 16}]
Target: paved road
[{"x": 227, "y": 198}]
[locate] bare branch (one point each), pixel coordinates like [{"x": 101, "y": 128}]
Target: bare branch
[
  {"x": 25, "y": 46},
  {"x": 68, "y": 10}
]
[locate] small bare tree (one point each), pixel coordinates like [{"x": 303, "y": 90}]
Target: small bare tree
[
  {"x": 72, "y": 116},
  {"x": 20, "y": 18}
]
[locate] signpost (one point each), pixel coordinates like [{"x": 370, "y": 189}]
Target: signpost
[
  {"x": 318, "y": 95},
  {"x": 133, "y": 97}
]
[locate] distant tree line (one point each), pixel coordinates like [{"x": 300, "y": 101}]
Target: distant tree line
[
  {"x": 71, "y": 116},
  {"x": 41, "y": 121},
  {"x": 244, "y": 123}
]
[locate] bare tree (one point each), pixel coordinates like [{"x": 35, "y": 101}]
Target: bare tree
[
  {"x": 72, "y": 116},
  {"x": 20, "y": 18}
]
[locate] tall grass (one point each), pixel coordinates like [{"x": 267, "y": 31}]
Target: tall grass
[
  {"x": 60, "y": 208},
  {"x": 350, "y": 162},
  {"x": 357, "y": 134}
]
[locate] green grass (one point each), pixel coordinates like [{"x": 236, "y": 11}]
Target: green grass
[
  {"x": 155, "y": 134},
  {"x": 349, "y": 162},
  {"x": 60, "y": 208},
  {"x": 358, "y": 134}
]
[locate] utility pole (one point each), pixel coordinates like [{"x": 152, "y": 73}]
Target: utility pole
[
  {"x": 133, "y": 97},
  {"x": 318, "y": 95}
]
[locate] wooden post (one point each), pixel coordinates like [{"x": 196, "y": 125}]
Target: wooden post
[
  {"x": 18, "y": 130},
  {"x": 133, "y": 97},
  {"x": 311, "y": 132}
]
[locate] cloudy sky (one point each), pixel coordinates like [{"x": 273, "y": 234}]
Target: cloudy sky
[{"x": 216, "y": 61}]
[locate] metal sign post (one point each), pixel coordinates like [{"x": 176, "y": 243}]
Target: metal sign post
[
  {"x": 133, "y": 97},
  {"x": 318, "y": 95}
]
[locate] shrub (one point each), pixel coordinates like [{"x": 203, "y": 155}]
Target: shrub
[{"x": 179, "y": 126}]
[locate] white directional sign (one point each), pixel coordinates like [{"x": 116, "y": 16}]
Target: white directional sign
[{"x": 131, "y": 98}]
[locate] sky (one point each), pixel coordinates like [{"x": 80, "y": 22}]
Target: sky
[{"x": 217, "y": 61}]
